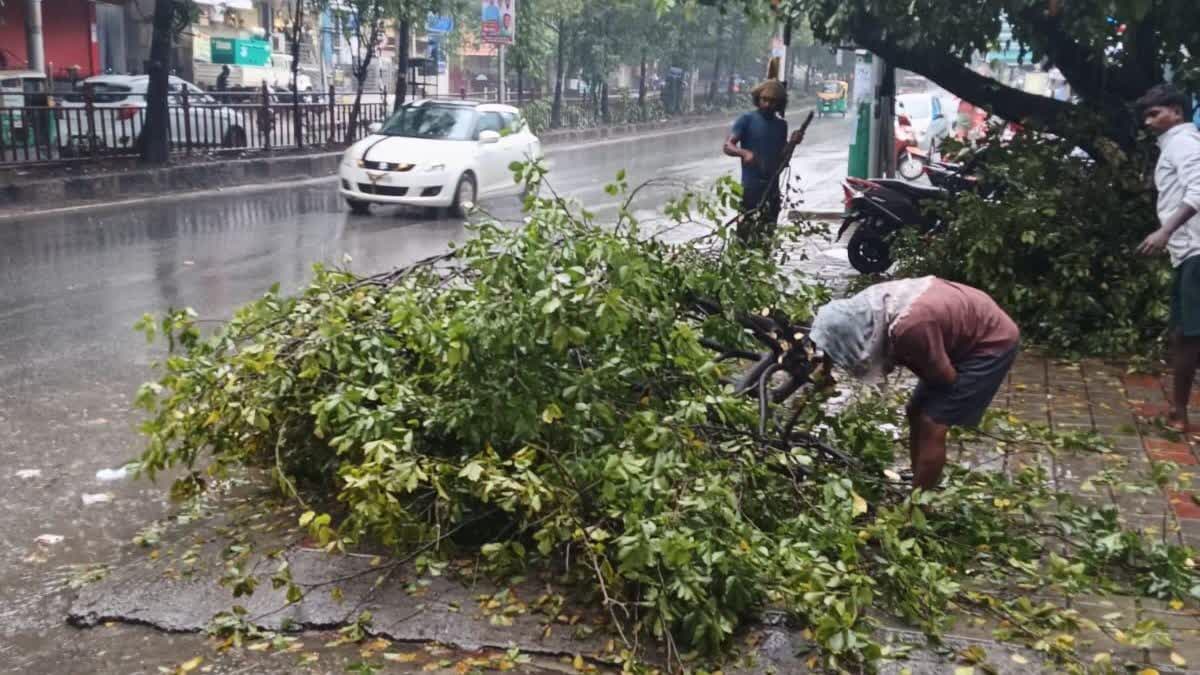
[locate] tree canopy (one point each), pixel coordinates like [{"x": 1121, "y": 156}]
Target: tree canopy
[{"x": 1109, "y": 51}]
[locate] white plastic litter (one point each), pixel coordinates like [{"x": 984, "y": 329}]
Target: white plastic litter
[
  {"x": 98, "y": 498},
  {"x": 112, "y": 474},
  {"x": 29, "y": 473},
  {"x": 49, "y": 539}
]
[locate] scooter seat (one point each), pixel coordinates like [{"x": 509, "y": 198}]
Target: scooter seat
[{"x": 910, "y": 189}]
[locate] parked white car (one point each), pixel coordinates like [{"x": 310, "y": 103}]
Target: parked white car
[
  {"x": 120, "y": 104},
  {"x": 437, "y": 154}
]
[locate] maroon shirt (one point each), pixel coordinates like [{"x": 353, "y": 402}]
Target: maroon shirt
[{"x": 950, "y": 323}]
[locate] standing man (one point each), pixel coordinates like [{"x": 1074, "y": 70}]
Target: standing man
[
  {"x": 955, "y": 338},
  {"x": 223, "y": 79},
  {"x": 758, "y": 138},
  {"x": 1166, "y": 112}
]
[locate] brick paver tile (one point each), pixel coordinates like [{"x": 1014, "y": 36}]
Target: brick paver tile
[
  {"x": 1185, "y": 506},
  {"x": 1142, "y": 381},
  {"x": 1169, "y": 451}
]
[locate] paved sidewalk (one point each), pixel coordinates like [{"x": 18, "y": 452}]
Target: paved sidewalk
[{"x": 1098, "y": 397}]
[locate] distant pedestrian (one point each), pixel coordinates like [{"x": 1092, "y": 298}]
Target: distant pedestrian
[
  {"x": 955, "y": 338},
  {"x": 759, "y": 139},
  {"x": 1167, "y": 113},
  {"x": 223, "y": 79}
]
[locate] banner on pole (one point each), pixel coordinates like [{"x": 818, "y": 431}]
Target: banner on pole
[{"x": 499, "y": 24}]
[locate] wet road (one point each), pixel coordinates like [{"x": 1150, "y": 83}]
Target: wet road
[{"x": 75, "y": 282}]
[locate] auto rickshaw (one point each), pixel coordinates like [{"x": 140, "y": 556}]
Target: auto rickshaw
[
  {"x": 831, "y": 97},
  {"x": 26, "y": 117}
]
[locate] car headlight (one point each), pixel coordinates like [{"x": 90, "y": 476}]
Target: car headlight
[
  {"x": 436, "y": 167},
  {"x": 360, "y": 164}
]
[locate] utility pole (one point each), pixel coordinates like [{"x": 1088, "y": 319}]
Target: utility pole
[
  {"x": 887, "y": 125},
  {"x": 502, "y": 91},
  {"x": 874, "y": 142},
  {"x": 35, "y": 48}
]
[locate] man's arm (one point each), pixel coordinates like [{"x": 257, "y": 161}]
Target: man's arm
[
  {"x": 920, "y": 349},
  {"x": 1189, "y": 175},
  {"x": 731, "y": 148},
  {"x": 734, "y": 139}
]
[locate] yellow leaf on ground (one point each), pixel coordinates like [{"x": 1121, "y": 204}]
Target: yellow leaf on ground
[
  {"x": 964, "y": 670},
  {"x": 1147, "y": 671},
  {"x": 578, "y": 662},
  {"x": 191, "y": 664},
  {"x": 1176, "y": 604},
  {"x": 860, "y": 505},
  {"x": 1178, "y": 659},
  {"x": 1017, "y": 658},
  {"x": 259, "y": 646},
  {"x": 403, "y": 657}
]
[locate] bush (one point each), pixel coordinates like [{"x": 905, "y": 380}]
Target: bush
[{"x": 1057, "y": 249}]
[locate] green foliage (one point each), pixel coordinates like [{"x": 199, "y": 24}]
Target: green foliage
[
  {"x": 1057, "y": 248},
  {"x": 542, "y": 396}
]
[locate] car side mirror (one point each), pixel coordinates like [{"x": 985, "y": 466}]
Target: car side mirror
[
  {"x": 488, "y": 136},
  {"x": 374, "y": 127}
]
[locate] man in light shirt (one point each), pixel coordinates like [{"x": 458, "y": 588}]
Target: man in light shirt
[{"x": 1167, "y": 112}]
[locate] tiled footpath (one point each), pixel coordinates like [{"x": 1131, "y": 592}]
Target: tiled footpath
[{"x": 1128, "y": 410}]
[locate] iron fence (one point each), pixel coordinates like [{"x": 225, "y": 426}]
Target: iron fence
[{"x": 91, "y": 124}]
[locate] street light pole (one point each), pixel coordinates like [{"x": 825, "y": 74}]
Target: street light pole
[
  {"x": 502, "y": 89},
  {"x": 35, "y": 49}
]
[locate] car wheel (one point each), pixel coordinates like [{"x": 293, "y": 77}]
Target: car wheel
[
  {"x": 235, "y": 137},
  {"x": 869, "y": 253},
  {"x": 910, "y": 166},
  {"x": 464, "y": 195},
  {"x": 358, "y": 207}
]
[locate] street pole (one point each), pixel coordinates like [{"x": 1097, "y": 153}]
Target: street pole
[
  {"x": 35, "y": 48},
  {"x": 501, "y": 91},
  {"x": 873, "y": 154},
  {"x": 887, "y": 124},
  {"x": 783, "y": 60}
]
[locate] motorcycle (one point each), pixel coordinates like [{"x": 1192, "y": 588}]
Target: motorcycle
[{"x": 882, "y": 206}]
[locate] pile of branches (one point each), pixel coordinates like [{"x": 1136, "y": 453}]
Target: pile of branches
[{"x": 549, "y": 397}]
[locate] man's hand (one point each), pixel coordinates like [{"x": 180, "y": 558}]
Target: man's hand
[
  {"x": 797, "y": 137},
  {"x": 747, "y": 158},
  {"x": 1156, "y": 242}
]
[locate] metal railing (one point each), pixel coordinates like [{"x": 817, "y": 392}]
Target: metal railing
[{"x": 92, "y": 124}]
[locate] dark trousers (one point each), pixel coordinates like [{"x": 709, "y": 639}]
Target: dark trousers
[{"x": 760, "y": 212}]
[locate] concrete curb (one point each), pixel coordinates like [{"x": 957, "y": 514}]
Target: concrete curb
[{"x": 221, "y": 173}]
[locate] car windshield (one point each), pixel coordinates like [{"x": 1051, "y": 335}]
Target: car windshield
[
  {"x": 104, "y": 93},
  {"x": 831, "y": 87},
  {"x": 451, "y": 123}
]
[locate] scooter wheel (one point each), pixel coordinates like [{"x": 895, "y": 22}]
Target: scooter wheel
[{"x": 868, "y": 252}]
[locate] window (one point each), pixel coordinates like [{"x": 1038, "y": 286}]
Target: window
[
  {"x": 431, "y": 121},
  {"x": 104, "y": 93},
  {"x": 513, "y": 123},
  {"x": 489, "y": 121}
]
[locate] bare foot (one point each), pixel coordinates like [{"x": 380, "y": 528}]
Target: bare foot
[{"x": 1179, "y": 422}]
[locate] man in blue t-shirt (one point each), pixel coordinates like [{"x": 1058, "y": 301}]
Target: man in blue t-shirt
[{"x": 759, "y": 139}]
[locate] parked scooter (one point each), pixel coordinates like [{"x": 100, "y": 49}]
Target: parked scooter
[{"x": 880, "y": 207}]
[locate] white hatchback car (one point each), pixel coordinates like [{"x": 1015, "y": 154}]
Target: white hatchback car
[
  {"x": 437, "y": 154},
  {"x": 120, "y": 105}
]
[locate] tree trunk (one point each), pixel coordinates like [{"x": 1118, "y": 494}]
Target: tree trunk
[
  {"x": 605, "y": 113},
  {"x": 808, "y": 71},
  {"x": 716, "y": 76},
  {"x": 642, "y": 86},
  {"x": 297, "y": 119},
  {"x": 520, "y": 84},
  {"x": 560, "y": 58},
  {"x": 155, "y": 132},
  {"x": 402, "y": 32}
]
